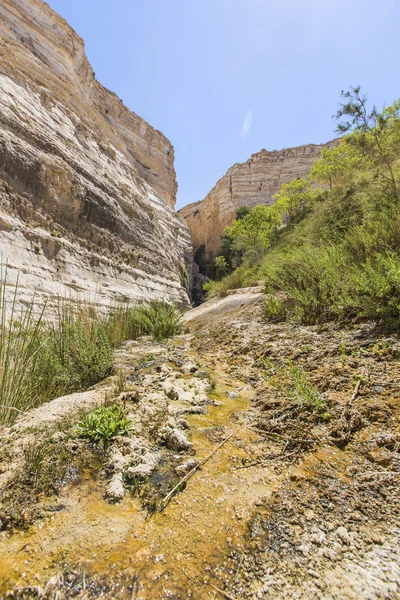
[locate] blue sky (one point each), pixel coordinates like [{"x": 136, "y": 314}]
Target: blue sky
[{"x": 224, "y": 78}]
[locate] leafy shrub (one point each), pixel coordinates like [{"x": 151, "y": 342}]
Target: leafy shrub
[
  {"x": 104, "y": 423},
  {"x": 341, "y": 260},
  {"x": 244, "y": 276},
  {"x": 274, "y": 308}
]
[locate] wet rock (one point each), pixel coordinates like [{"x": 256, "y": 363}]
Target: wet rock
[
  {"x": 175, "y": 439},
  {"x": 189, "y": 367},
  {"x": 141, "y": 470},
  {"x": 115, "y": 490},
  {"x": 193, "y": 410},
  {"x": 185, "y": 467}
]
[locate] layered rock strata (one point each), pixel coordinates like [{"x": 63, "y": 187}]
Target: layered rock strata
[
  {"x": 246, "y": 184},
  {"x": 87, "y": 188}
]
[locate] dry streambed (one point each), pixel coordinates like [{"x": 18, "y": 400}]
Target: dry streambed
[
  {"x": 302, "y": 502},
  {"x": 101, "y": 532}
]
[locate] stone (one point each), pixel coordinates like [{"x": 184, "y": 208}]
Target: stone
[
  {"x": 185, "y": 467},
  {"x": 175, "y": 439},
  {"x": 115, "y": 489},
  {"x": 87, "y": 187},
  {"x": 246, "y": 184},
  {"x": 141, "y": 470}
]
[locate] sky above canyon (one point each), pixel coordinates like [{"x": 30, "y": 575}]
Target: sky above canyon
[{"x": 223, "y": 79}]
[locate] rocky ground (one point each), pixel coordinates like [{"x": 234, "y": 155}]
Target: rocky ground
[
  {"x": 300, "y": 502},
  {"x": 331, "y": 530}
]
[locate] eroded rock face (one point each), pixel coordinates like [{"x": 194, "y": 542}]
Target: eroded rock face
[
  {"x": 246, "y": 184},
  {"x": 87, "y": 188}
]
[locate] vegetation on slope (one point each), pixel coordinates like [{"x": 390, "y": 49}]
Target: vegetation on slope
[
  {"x": 42, "y": 356},
  {"x": 333, "y": 252}
]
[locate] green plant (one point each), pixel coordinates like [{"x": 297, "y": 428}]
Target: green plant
[
  {"x": 302, "y": 390},
  {"x": 185, "y": 279},
  {"x": 43, "y": 355},
  {"x": 104, "y": 423},
  {"x": 293, "y": 381},
  {"x": 274, "y": 308},
  {"x": 158, "y": 319},
  {"x": 20, "y": 345}
]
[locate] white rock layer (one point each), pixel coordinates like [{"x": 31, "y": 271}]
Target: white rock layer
[{"x": 87, "y": 188}]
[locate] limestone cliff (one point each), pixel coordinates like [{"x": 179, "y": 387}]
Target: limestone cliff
[
  {"x": 246, "y": 184},
  {"x": 87, "y": 188}
]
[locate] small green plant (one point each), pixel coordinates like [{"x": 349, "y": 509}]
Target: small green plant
[
  {"x": 274, "y": 308},
  {"x": 343, "y": 352},
  {"x": 302, "y": 390},
  {"x": 103, "y": 424},
  {"x": 293, "y": 382}
]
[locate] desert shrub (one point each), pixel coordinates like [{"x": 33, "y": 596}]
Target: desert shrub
[
  {"x": 244, "y": 276},
  {"x": 376, "y": 289},
  {"x": 274, "y": 308},
  {"x": 311, "y": 281}
]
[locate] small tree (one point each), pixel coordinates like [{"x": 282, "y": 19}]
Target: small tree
[
  {"x": 293, "y": 197},
  {"x": 253, "y": 234},
  {"x": 221, "y": 267},
  {"x": 334, "y": 165},
  {"x": 375, "y": 134}
]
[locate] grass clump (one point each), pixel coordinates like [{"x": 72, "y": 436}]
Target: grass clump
[
  {"x": 292, "y": 381},
  {"x": 103, "y": 424},
  {"x": 158, "y": 319},
  {"x": 302, "y": 390},
  {"x": 45, "y": 354}
]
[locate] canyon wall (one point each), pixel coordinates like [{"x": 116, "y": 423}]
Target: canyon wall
[
  {"x": 87, "y": 188},
  {"x": 246, "y": 184}
]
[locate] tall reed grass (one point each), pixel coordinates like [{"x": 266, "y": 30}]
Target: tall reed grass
[{"x": 45, "y": 354}]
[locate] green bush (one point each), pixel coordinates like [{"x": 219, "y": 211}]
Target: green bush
[
  {"x": 274, "y": 308},
  {"x": 342, "y": 259},
  {"x": 244, "y": 276},
  {"x": 104, "y": 423}
]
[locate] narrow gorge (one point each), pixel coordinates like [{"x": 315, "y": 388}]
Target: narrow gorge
[{"x": 244, "y": 449}]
